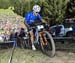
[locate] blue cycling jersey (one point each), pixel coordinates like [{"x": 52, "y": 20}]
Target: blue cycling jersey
[{"x": 30, "y": 17}]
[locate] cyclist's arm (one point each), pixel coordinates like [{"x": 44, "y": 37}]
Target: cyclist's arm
[
  {"x": 26, "y": 25},
  {"x": 27, "y": 18},
  {"x": 41, "y": 19}
]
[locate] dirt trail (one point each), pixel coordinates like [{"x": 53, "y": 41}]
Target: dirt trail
[{"x": 64, "y": 54}]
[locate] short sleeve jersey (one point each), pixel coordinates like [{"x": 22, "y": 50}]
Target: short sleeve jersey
[{"x": 30, "y": 18}]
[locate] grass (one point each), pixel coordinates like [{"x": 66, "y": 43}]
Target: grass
[
  {"x": 29, "y": 56},
  {"x": 6, "y": 11},
  {"x": 23, "y": 56}
]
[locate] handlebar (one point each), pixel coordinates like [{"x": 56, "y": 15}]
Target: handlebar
[{"x": 35, "y": 25}]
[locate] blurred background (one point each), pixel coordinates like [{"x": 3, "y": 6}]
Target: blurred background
[{"x": 52, "y": 10}]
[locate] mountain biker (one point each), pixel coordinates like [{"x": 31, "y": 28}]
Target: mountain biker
[{"x": 32, "y": 17}]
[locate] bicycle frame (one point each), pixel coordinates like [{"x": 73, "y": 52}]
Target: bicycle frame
[{"x": 37, "y": 35}]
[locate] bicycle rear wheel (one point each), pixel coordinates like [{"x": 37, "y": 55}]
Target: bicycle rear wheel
[{"x": 47, "y": 44}]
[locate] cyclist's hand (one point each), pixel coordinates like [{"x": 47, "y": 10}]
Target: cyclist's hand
[
  {"x": 27, "y": 26},
  {"x": 45, "y": 24}
]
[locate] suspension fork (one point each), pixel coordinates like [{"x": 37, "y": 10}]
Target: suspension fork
[
  {"x": 43, "y": 39},
  {"x": 40, "y": 35}
]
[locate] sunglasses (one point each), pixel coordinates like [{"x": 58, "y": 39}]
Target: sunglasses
[{"x": 37, "y": 12}]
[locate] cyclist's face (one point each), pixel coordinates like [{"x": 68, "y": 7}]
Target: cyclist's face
[{"x": 35, "y": 13}]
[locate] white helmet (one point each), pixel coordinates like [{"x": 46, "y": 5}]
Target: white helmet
[{"x": 36, "y": 8}]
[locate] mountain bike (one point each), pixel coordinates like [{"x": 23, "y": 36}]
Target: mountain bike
[{"x": 43, "y": 38}]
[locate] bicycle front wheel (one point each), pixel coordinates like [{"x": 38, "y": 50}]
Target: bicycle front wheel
[{"x": 47, "y": 44}]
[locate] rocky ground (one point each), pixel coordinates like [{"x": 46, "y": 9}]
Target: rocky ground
[
  {"x": 10, "y": 22},
  {"x": 9, "y": 15}
]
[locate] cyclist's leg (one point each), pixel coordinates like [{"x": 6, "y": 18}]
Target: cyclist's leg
[{"x": 32, "y": 39}]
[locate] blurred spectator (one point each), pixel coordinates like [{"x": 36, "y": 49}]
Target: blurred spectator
[
  {"x": 22, "y": 33},
  {"x": 8, "y": 26},
  {"x": 6, "y": 37}
]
